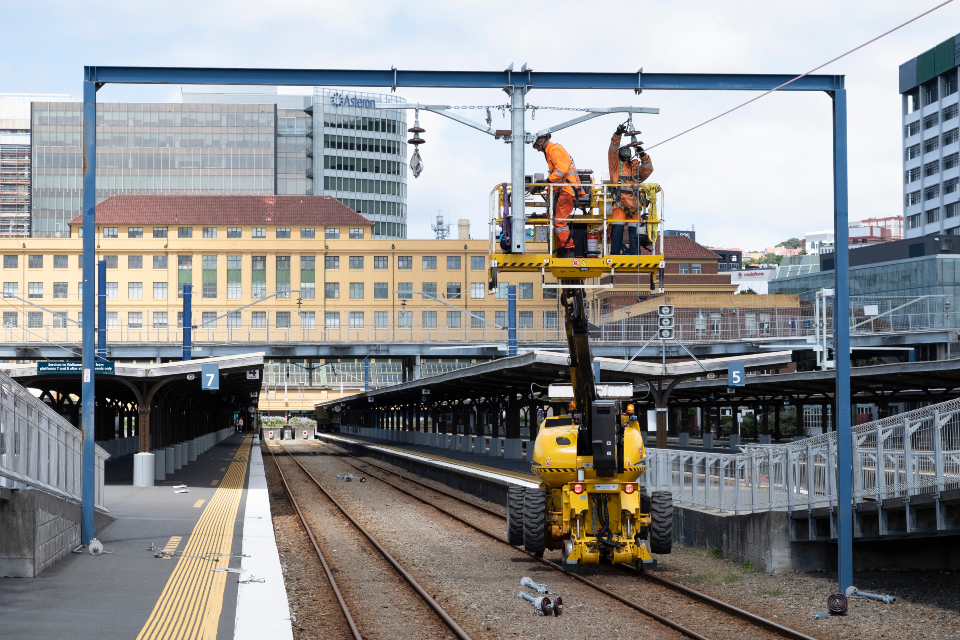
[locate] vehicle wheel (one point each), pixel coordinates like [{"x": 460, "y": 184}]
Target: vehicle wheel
[
  {"x": 535, "y": 521},
  {"x": 661, "y": 527},
  {"x": 515, "y": 515}
]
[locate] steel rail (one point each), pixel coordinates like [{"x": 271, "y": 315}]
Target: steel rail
[
  {"x": 764, "y": 623},
  {"x": 460, "y": 633},
  {"x": 316, "y": 547}
]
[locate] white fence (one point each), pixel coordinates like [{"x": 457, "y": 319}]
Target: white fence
[
  {"x": 39, "y": 448},
  {"x": 903, "y": 455}
]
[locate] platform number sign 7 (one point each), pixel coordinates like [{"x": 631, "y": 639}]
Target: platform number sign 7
[
  {"x": 736, "y": 374},
  {"x": 210, "y": 377}
]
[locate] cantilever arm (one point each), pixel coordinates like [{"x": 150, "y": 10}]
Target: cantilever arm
[
  {"x": 440, "y": 109},
  {"x": 590, "y": 115}
]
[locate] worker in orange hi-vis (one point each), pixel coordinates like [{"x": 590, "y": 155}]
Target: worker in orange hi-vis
[
  {"x": 562, "y": 171},
  {"x": 627, "y": 206}
]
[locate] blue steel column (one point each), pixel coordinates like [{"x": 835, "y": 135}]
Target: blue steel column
[
  {"x": 187, "y": 320},
  {"x": 102, "y": 310},
  {"x": 511, "y": 320},
  {"x": 366, "y": 374},
  {"x": 87, "y": 530},
  {"x": 841, "y": 315}
]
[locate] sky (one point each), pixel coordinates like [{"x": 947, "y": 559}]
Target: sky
[{"x": 749, "y": 180}]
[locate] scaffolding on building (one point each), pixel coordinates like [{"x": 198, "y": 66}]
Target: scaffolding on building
[{"x": 14, "y": 190}]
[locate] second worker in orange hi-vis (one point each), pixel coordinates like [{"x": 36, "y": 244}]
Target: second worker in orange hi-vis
[
  {"x": 627, "y": 206},
  {"x": 563, "y": 172}
]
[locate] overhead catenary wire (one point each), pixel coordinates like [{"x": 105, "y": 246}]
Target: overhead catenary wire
[{"x": 762, "y": 95}]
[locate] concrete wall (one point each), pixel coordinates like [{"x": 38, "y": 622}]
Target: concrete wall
[{"x": 37, "y": 530}]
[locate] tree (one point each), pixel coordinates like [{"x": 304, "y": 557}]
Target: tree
[
  {"x": 747, "y": 292},
  {"x": 772, "y": 258},
  {"x": 792, "y": 243}
]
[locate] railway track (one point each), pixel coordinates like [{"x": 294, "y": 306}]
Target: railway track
[
  {"x": 348, "y": 616},
  {"x": 718, "y": 605}
]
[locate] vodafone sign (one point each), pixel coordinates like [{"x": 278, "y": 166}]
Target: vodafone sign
[{"x": 754, "y": 275}]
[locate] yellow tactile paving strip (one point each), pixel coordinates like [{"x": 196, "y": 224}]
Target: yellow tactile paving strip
[{"x": 189, "y": 607}]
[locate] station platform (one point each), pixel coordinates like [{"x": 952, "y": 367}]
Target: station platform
[{"x": 222, "y": 521}]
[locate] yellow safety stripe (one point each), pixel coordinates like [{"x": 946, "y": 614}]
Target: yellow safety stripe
[
  {"x": 190, "y": 605},
  {"x": 555, "y": 470}
]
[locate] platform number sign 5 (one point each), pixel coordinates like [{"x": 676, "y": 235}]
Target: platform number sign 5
[
  {"x": 736, "y": 374},
  {"x": 210, "y": 377}
]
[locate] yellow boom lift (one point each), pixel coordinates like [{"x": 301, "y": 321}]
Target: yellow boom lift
[{"x": 589, "y": 504}]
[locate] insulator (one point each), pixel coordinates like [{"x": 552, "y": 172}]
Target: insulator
[
  {"x": 416, "y": 130},
  {"x": 837, "y": 604},
  {"x": 416, "y": 141}
]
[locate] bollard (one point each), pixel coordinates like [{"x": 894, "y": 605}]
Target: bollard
[
  {"x": 191, "y": 450},
  {"x": 170, "y": 459},
  {"x": 143, "y": 470},
  {"x": 159, "y": 464},
  {"x": 707, "y": 441}
]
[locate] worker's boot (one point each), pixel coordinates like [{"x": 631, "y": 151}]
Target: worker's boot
[{"x": 566, "y": 252}]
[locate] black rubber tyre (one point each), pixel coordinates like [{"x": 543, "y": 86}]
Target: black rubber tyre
[
  {"x": 515, "y": 515},
  {"x": 661, "y": 527},
  {"x": 535, "y": 521}
]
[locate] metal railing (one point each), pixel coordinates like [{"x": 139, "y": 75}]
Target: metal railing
[
  {"x": 349, "y": 374},
  {"x": 896, "y": 457},
  {"x": 39, "y": 448}
]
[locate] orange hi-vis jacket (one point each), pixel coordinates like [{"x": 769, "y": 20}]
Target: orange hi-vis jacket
[
  {"x": 562, "y": 168},
  {"x": 629, "y": 173}
]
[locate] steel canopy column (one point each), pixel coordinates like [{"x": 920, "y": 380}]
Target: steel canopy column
[
  {"x": 517, "y": 179},
  {"x": 187, "y": 321},
  {"x": 841, "y": 315},
  {"x": 87, "y": 528},
  {"x": 511, "y": 320},
  {"x": 102, "y": 309}
]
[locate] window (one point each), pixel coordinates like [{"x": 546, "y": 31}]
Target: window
[
  {"x": 134, "y": 262},
  {"x": 160, "y": 262},
  {"x": 381, "y": 262},
  {"x": 35, "y": 262},
  {"x": 695, "y": 269},
  {"x": 209, "y": 276},
  {"x": 403, "y": 262},
  {"x": 931, "y": 121},
  {"x": 912, "y": 129},
  {"x": 404, "y": 290},
  {"x": 913, "y": 151},
  {"x": 933, "y": 215},
  {"x": 283, "y": 319},
  {"x": 10, "y": 289},
  {"x": 715, "y": 323},
  {"x": 478, "y": 290},
  {"x": 913, "y": 175},
  {"x": 35, "y": 319},
  {"x": 356, "y": 319},
  {"x": 913, "y": 221},
  {"x": 9, "y": 319},
  {"x": 951, "y": 210},
  {"x": 331, "y": 262},
  {"x": 356, "y": 291},
  {"x": 429, "y": 288},
  {"x": 258, "y": 276},
  {"x": 931, "y": 192},
  {"x": 477, "y": 263},
  {"x": 356, "y": 262},
  {"x": 453, "y": 319},
  {"x": 234, "y": 285},
  {"x": 208, "y": 320},
  {"x": 111, "y": 232},
  {"x": 283, "y": 233},
  {"x": 684, "y": 267},
  {"x": 429, "y": 320},
  {"x": 951, "y": 161},
  {"x": 381, "y": 290},
  {"x": 950, "y": 186},
  {"x": 503, "y": 289},
  {"x": 356, "y": 234},
  {"x": 59, "y": 319},
  {"x": 258, "y": 320},
  {"x": 184, "y": 232},
  {"x": 549, "y": 294},
  {"x": 10, "y": 262},
  {"x": 113, "y": 291},
  {"x": 159, "y": 290},
  {"x": 525, "y": 291},
  {"x": 453, "y": 290},
  {"x": 59, "y": 290},
  {"x": 135, "y": 290},
  {"x": 113, "y": 262},
  {"x": 307, "y": 233},
  {"x": 930, "y": 93},
  {"x": 950, "y": 112},
  {"x": 381, "y": 319},
  {"x": 478, "y": 320},
  {"x": 159, "y": 319},
  {"x": 308, "y": 319},
  {"x": 80, "y": 290},
  {"x": 283, "y": 276},
  {"x": 525, "y": 319},
  {"x": 931, "y": 168},
  {"x": 550, "y": 320},
  {"x": 134, "y": 232},
  {"x": 234, "y": 320},
  {"x": 59, "y": 262},
  {"x": 331, "y": 319},
  {"x": 113, "y": 319},
  {"x": 500, "y": 319},
  {"x": 209, "y": 232},
  {"x": 913, "y": 198},
  {"x": 160, "y": 232},
  {"x": 949, "y": 88},
  {"x": 429, "y": 263},
  {"x": 135, "y": 320},
  {"x": 931, "y": 145},
  {"x": 259, "y": 232},
  {"x": 332, "y": 234},
  {"x": 331, "y": 290},
  {"x": 453, "y": 263},
  {"x": 35, "y": 289},
  {"x": 405, "y": 319},
  {"x": 951, "y": 136},
  {"x": 233, "y": 232}
]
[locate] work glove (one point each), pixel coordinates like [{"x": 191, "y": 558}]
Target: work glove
[{"x": 621, "y": 129}]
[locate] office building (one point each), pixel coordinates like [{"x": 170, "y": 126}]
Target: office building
[
  {"x": 730, "y": 259},
  {"x": 15, "y": 160},
  {"x": 931, "y": 141}
]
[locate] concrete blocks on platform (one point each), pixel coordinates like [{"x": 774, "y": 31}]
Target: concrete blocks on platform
[
  {"x": 494, "y": 449},
  {"x": 707, "y": 441},
  {"x": 191, "y": 450},
  {"x": 180, "y": 460},
  {"x": 143, "y": 470},
  {"x": 765, "y": 439},
  {"x": 734, "y": 442},
  {"x": 512, "y": 449},
  {"x": 170, "y": 459},
  {"x": 454, "y": 442},
  {"x": 466, "y": 443},
  {"x": 159, "y": 464},
  {"x": 684, "y": 440}
]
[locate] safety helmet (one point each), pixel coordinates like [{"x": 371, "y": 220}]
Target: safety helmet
[
  {"x": 545, "y": 138},
  {"x": 625, "y": 153}
]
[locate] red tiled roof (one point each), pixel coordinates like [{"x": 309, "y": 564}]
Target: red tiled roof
[
  {"x": 240, "y": 210},
  {"x": 683, "y": 248}
]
